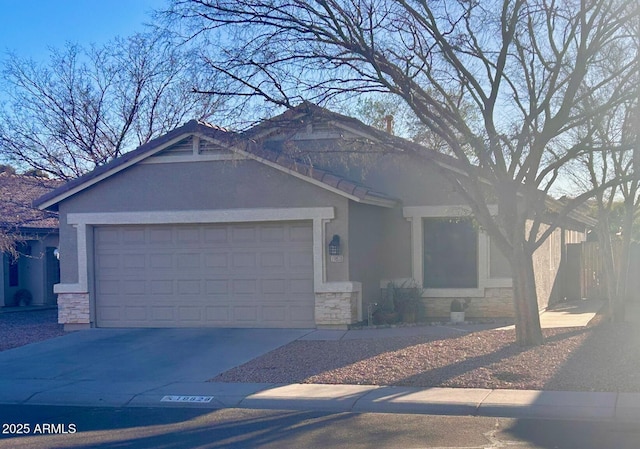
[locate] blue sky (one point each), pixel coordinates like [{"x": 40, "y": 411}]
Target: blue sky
[{"x": 31, "y": 27}]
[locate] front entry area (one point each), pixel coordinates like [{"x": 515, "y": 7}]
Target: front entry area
[{"x": 205, "y": 275}]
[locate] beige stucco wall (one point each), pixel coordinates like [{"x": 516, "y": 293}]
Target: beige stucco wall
[
  {"x": 548, "y": 264},
  {"x": 369, "y": 231},
  {"x": 186, "y": 186},
  {"x": 199, "y": 186},
  {"x": 32, "y": 271}
]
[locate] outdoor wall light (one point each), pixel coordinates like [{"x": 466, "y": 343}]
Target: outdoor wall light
[{"x": 334, "y": 246}]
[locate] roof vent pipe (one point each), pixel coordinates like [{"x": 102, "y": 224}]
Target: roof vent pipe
[{"x": 389, "y": 121}]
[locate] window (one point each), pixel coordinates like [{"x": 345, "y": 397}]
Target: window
[{"x": 450, "y": 253}]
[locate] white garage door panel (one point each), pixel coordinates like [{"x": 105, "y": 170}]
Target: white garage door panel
[{"x": 239, "y": 275}]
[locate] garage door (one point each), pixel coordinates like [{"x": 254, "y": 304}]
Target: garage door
[{"x": 232, "y": 275}]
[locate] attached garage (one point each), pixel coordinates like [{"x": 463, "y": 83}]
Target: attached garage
[
  {"x": 204, "y": 227},
  {"x": 199, "y": 275}
]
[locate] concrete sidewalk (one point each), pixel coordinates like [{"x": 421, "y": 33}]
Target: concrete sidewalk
[
  {"x": 624, "y": 407},
  {"x": 567, "y": 314}
]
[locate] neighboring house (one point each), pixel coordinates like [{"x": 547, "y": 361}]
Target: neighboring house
[
  {"x": 206, "y": 227},
  {"x": 33, "y": 265}
]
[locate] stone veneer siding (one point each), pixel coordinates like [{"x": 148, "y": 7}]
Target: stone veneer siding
[
  {"x": 336, "y": 309},
  {"x": 497, "y": 303},
  {"x": 73, "y": 310}
]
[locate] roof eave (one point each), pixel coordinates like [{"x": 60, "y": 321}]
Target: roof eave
[
  {"x": 380, "y": 202},
  {"x": 50, "y": 201},
  {"x": 365, "y": 199}
]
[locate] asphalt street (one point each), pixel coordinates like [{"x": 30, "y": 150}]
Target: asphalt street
[{"x": 173, "y": 428}]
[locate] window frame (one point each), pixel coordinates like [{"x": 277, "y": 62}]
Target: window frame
[{"x": 415, "y": 215}]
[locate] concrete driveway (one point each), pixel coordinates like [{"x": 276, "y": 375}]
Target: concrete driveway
[
  {"x": 184, "y": 355},
  {"x": 112, "y": 365}
]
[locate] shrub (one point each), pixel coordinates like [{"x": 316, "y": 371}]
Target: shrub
[
  {"x": 457, "y": 306},
  {"x": 22, "y": 296}
]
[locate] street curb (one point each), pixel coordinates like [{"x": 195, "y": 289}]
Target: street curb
[{"x": 568, "y": 405}]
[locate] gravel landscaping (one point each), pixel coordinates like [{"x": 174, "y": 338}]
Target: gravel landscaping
[
  {"x": 22, "y": 328},
  {"x": 600, "y": 357}
]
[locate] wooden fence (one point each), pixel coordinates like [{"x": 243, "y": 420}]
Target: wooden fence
[{"x": 584, "y": 271}]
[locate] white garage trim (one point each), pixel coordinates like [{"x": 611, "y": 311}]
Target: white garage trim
[
  {"x": 201, "y": 216},
  {"x": 84, "y": 221}
]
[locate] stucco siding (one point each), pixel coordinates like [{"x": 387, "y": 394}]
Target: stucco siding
[
  {"x": 32, "y": 271},
  {"x": 36, "y": 269},
  {"x": 411, "y": 178},
  {"x": 68, "y": 247},
  {"x": 4, "y": 273},
  {"x": 499, "y": 267},
  {"x": 396, "y": 261},
  {"x": 548, "y": 265},
  {"x": 367, "y": 233},
  {"x": 198, "y": 186}
]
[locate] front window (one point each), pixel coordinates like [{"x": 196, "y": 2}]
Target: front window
[{"x": 450, "y": 253}]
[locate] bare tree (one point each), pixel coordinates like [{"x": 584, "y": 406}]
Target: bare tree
[
  {"x": 19, "y": 221},
  {"x": 617, "y": 136},
  {"x": 87, "y": 106},
  {"x": 523, "y": 66}
]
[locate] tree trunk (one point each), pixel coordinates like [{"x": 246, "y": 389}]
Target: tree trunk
[{"x": 525, "y": 300}]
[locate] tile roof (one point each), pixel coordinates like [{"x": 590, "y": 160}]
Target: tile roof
[
  {"x": 17, "y": 194},
  {"x": 329, "y": 179},
  {"x": 305, "y": 112}
]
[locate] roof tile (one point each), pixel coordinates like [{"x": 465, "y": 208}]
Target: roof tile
[
  {"x": 17, "y": 194},
  {"x": 250, "y": 146}
]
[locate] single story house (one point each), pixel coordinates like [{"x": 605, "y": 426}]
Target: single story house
[
  {"x": 297, "y": 222},
  {"x": 33, "y": 265}
]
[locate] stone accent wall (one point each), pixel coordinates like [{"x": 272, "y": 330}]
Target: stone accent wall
[
  {"x": 336, "y": 309},
  {"x": 497, "y": 303},
  {"x": 73, "y": 310}
]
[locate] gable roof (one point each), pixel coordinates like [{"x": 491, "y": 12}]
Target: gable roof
[
  {"x": 250, "y": 144},
  {"x": 308, "y": 112},
  {"x": 305, "y": 113},
  {"x": 50, "y": 200},
  {"x": 17, "y": 194},
  {"x": 246, "y": 144}
]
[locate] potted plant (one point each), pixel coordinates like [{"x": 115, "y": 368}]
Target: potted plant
[{"x": 457, "y": 311}]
